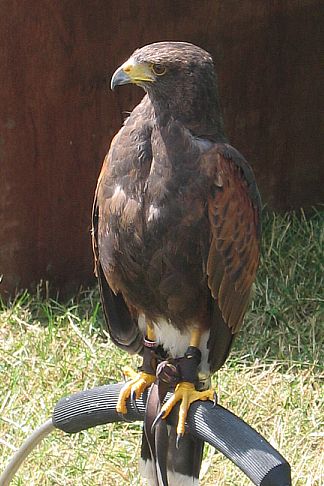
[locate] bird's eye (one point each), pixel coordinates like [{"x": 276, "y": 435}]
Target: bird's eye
[{"x": 158, "y": 69}]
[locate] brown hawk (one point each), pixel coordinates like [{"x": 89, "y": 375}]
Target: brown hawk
[{"x": 176, "y": 238}]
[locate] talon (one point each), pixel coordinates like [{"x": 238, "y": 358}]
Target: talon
[
  {"x": 178, "y": 439},
  {"x": 133, "y": 396},
  {"x": 215, "y": 399},
  {"x": 121, "y": 416},
  {"x": 133, "y": 401},
  {"x": 157, "y": 420}
]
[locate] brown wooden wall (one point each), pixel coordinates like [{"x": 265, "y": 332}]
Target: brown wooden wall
[{"x": 57, "y": 114}]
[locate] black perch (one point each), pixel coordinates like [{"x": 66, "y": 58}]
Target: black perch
[{"x": 229, "y": 434}]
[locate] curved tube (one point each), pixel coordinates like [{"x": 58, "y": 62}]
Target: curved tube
[
  {"x": 216, "y": 425},
  {"x": 30, "y": 443}
]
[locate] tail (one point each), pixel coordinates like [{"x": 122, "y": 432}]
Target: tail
[{"x": 162, "y": 463}]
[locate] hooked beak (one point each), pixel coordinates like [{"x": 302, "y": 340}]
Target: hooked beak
[
  {"x": 132, "y": 72},
  {"x": 119, "y": 78}
]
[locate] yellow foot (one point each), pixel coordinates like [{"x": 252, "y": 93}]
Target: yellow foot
[
  {"x": 187, "y": 393},
  {"x": 135, "y": 387}
]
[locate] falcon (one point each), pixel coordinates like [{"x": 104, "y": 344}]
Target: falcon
[{"x": 175, "y": 235}]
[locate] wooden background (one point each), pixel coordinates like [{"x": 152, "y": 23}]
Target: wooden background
[{"x": 58, "y": 116}]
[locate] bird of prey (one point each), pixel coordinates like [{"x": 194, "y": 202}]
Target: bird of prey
[{"x": 176, "y": 243}]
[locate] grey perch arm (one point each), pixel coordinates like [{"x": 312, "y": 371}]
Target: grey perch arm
[{"x": 217, "y": 426}]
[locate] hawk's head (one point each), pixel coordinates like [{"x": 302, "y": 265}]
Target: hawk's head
[
  {"x": 163, "y": 63},
  {"x": 180, "y": 79}
]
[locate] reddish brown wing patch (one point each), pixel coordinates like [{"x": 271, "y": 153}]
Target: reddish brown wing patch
[{"x": 234, "y": 252}]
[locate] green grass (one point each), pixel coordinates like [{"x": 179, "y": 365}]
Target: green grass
[{"x": 272, "y": 378}]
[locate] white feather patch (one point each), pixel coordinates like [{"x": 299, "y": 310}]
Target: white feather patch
[
  {"x": 174, "y": 478},
  {"x": 176, "y": 342},
  {"x": 177, "y": 479},
  {"x": 147, "y": 472},
  {"x": 153, "y": 213},
  {"x": 118, "y": 200}
]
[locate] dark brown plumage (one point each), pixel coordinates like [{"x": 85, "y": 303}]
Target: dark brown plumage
[{"x": 176, "y": 211}]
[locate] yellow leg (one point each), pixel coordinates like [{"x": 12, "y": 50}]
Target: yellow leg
[
  {"x": 186, "y": 393},
  {"x": 138, "y": 381},
  {"x": 195, "y": 337},
  {"x": 150, "y": 331}
]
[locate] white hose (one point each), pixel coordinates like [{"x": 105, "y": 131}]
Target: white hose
[{"x": 30, "y": 443}]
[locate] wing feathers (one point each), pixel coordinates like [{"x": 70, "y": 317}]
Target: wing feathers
[
  {"x": 233, "y": 210},
  {"x": 121, "y": 325}
]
